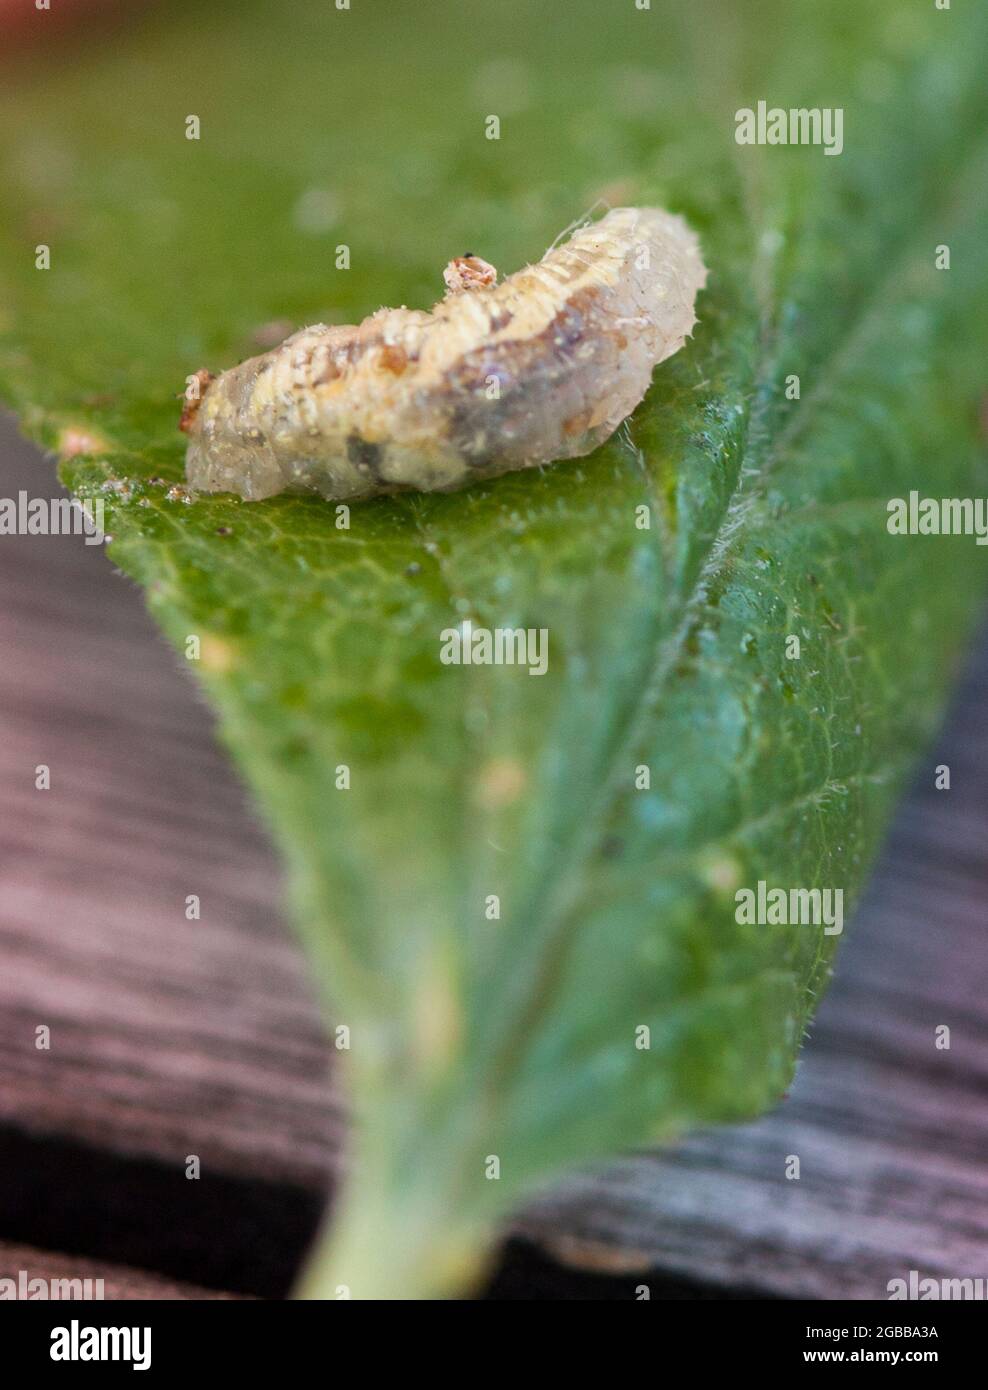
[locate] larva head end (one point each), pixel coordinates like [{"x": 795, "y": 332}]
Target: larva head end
[
  {"x": 469, "y": 273},
  {"x": 192, "y": 399}
]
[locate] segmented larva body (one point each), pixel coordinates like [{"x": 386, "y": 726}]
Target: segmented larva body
[{"x": 544, "y": 366}]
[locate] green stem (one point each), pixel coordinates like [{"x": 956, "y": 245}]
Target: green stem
[
  {"x": 415, "y": 1210},
  {"x": 395, "y": 1233}
]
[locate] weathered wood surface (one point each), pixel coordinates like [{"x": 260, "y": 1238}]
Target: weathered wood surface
[{"x": 172, "y": 1037}]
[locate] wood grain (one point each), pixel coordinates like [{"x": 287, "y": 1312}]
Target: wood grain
[{"x": 172, "y": 1037}]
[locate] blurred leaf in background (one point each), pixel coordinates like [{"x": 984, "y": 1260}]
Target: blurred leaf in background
[{"x": 673, "y": 753}]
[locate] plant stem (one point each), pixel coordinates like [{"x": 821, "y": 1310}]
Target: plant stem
[
  {"x": 394, "y": 1235},
  {"x": 413, "y": 1216}
]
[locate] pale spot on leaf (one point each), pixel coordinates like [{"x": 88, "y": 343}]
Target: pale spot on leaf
[
  {"x": 501, "y": 781},
  {"x": 216, "y": 654},
  {"x": 75, "y": 440}
]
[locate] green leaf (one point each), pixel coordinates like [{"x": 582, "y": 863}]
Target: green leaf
[{"x": 515, "y": 1038}]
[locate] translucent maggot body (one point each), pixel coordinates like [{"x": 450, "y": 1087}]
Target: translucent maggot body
[{"x": 544, "y": 366}]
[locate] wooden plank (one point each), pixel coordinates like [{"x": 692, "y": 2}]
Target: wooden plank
[
  {"x": 167, "y": 1035},
  {"x": 172, "y": 1037}
]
